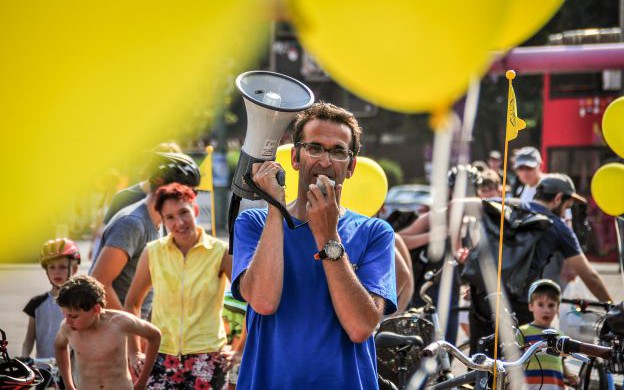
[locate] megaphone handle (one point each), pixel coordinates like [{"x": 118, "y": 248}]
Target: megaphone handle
[
  {"x": 269, "y": 198},
  {"x": 232, "y": 213},
  {"x": 281, "y": 177}
]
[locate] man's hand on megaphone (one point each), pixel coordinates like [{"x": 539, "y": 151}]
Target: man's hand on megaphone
[
  {"x": 265, "y": 176},
  {"x": 323, "y": 209}
]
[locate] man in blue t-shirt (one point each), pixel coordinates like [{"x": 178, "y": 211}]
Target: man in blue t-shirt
[{"x": 316, "y": 292}]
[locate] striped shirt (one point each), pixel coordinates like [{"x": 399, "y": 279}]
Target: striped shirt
[{"x": 543, "y": 370}]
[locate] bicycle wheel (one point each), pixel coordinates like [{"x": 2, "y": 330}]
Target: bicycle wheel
[{"x": 594, "y": 376}]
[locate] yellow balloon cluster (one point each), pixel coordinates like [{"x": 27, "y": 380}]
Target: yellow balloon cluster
[
  {"x": 364, "y": 192},
  {"x": 413, "y": 55},
  {"x": 607, "y": 185},
  {"x": 86, "y": 85}
]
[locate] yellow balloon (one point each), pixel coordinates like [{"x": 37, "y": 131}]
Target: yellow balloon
[
  {"x": 523, "y": 19},
  {"x": 613, "y": 126},
  {"x": 607, "y": 188},
  {"x": 404, "y": 55},
  {"x": 292, "y": 176},
  {"x": 86, "y": 86},
  {"x": 364, "y": 192}
]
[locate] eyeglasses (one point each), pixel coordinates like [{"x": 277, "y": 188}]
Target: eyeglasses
[{"x": 317, "y": 150}]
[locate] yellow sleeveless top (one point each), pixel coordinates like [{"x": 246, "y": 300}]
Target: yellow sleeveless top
[{"x": 188, "y": 295}]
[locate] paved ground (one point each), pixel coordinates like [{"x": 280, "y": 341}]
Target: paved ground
[{"x": 20, "y": 282}]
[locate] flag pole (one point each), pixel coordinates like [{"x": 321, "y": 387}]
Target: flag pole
[
  {"x": 513, "y": 125},
  {"x": 213, "y": 225}
]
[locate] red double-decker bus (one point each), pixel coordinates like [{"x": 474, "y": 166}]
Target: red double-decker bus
[{"x": 572, "y": 143}]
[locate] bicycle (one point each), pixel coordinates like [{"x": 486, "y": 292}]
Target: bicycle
[
  {"x": 482, "y": 363},
  {"x": 400, "y": 339},
  {"x": 596, "y": 373}
]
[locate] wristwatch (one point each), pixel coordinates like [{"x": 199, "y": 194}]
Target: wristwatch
[{"x": 332, "y": 251}]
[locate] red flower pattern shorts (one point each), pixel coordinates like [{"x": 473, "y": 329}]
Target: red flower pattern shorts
[{"x": 189, "y": 372}]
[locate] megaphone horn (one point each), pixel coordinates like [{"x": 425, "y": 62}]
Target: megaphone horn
[{"x": 272, "y": 100}]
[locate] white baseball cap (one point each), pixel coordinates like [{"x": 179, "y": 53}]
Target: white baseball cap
[{"x": 543, "y": 283}]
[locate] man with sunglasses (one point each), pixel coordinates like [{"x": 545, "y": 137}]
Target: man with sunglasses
[{"x": 317, "y": 292}]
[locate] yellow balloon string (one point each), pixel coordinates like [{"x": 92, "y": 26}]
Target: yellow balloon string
[{"x": 439, "y": 119}]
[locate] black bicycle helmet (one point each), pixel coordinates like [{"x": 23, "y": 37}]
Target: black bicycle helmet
[
  {"x": 472, "y": 173},
  {"x": 169, "y": 168}
]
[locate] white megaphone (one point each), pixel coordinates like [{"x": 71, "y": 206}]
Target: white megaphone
[{"x": 272, "y": 100}]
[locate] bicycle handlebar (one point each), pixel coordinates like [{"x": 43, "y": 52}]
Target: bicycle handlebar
[
  {"x": 583, "y": 304},
  {"x": 482, "y": 362},
  {"x": 568, "y": 345}
]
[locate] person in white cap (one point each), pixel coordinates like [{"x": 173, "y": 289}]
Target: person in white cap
[
  {"x": 495, "y": 162},
  {"x": 527, "y": 165}
]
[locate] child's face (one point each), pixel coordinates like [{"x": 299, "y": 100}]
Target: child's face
[
  {"x": 58, "y": 271},
  {"x": 79, "y": 319},
  {"x": 544, "y": 310},
  {"x": 488, "y": 192}
]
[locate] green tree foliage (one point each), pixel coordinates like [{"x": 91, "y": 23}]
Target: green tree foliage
[{"x": 393, "y": 171}]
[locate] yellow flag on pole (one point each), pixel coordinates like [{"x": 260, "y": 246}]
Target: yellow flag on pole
[
  {"x": 206, "y": 171},
  {"x": 514, "y": 124}
]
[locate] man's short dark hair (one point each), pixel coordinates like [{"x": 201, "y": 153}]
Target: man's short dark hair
[
  {"x": 81, "y": 292},
  {"x": 332, "y": 113}
]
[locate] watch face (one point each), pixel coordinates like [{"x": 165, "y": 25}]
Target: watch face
[{"x": 333, "y": 250}]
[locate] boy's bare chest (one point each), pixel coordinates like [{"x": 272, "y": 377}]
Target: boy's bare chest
[{"x": 101, "y": 344}]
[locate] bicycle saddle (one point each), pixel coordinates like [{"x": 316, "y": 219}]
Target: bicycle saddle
[{"x": 391, "y": 340}]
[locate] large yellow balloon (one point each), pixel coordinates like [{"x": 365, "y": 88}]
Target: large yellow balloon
[
  {"x": 607, "y": 188},
  {"x": 87, "y": 85},
  {"x": 613, "y": 126},
  {"x": 364, "y": 192},
  {"x": 405, "y": 55},
  {"x": 523, "y": 19}
]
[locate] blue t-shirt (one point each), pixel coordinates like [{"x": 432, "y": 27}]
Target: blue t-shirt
[
  {"x": 558, "y": 238},
  {"x": 303, "y": 345}
]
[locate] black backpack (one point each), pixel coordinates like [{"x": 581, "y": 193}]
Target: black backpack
[{"x": 522, "y": 230}]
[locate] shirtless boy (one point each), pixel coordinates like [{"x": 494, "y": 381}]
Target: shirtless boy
[{"x": 98, "y": 338}]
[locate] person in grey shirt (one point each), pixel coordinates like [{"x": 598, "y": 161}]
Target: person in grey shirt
[{"x": 126, "y": 235}]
